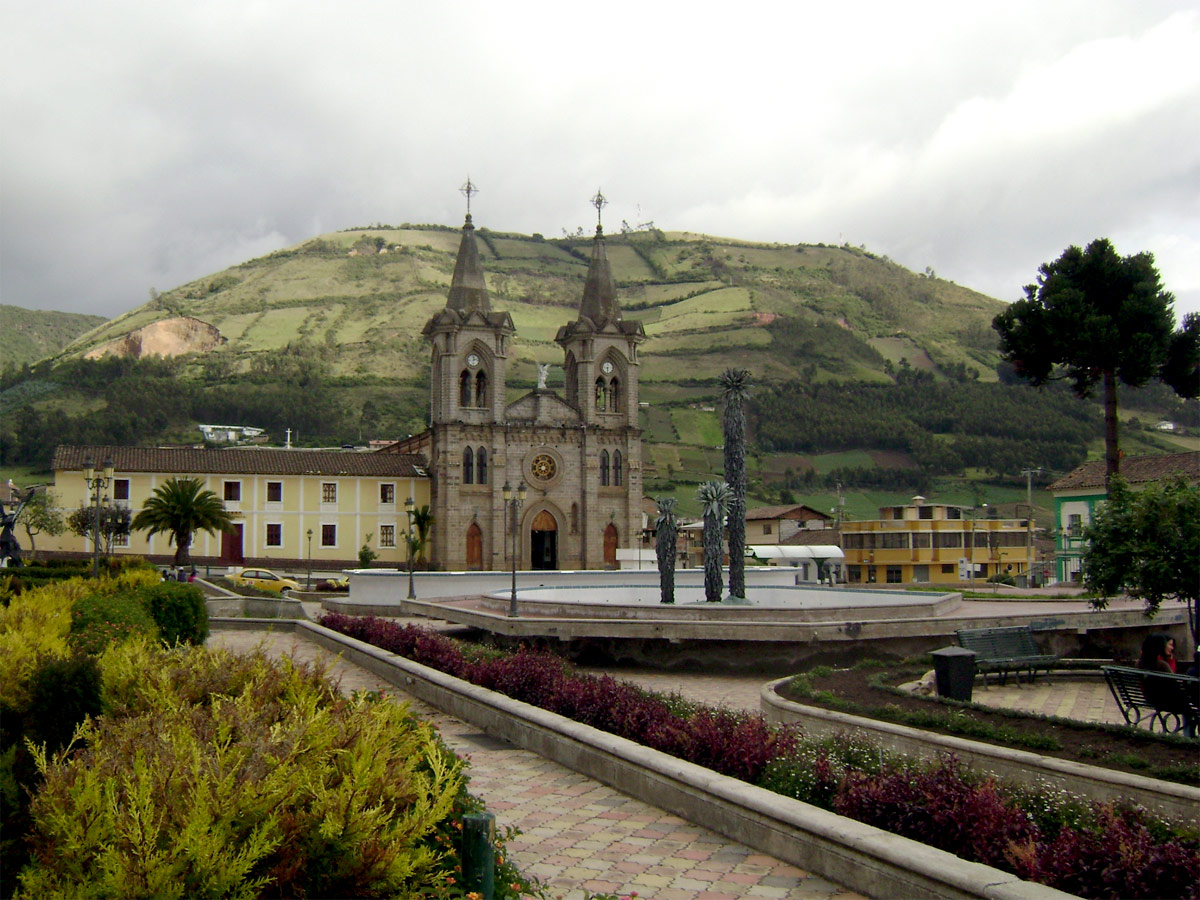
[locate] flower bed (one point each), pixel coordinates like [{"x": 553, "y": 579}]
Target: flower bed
[{"x": 1089, "y": 849}]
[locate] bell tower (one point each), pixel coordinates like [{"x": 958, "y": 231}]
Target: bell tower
[{"x": 470, "y": 342}]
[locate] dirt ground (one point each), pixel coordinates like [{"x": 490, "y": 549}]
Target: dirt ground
[{"x": 1088, "y": 745}]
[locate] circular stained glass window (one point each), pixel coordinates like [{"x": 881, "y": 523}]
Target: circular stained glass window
[{"x": 543, "y": 467}]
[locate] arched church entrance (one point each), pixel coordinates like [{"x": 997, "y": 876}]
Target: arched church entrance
[
  {"x": 610, "y": 546},
  {"x": 474, "y": 547},
  {"x": 543, "y": 541}
]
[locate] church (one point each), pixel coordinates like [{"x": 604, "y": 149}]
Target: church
[{"x": 570, "y": 465}]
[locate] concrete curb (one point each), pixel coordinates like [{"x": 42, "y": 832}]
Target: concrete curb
[
  {"x": 863, "y": 858},
  {"x": 1178, "y": 801}
]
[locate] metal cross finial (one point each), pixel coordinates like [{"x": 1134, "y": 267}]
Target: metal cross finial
[
  {"x": 467, "y": 190},
  {"x": 599, "y": 202}
]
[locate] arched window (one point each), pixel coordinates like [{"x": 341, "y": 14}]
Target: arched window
[
  {"x": 464, "y": 388},
  {"x": 481, "y": 389},
  {"x": 600, "y": 394},
  {"x": 614, "y": 395},
  {"x": 603, "y": 467},
  {"x": 617, "y": 475},
  {"x": 481, "y": 466},
  {"x": 468, "y": 466}
]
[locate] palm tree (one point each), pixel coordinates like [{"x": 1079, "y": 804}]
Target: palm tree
[
  {"x": 735, "y": 389},
  {"x": 422, "y": 521},
  {"x": 181, "y": 507},
  {"x": 667, "y": 530},
  {"x": 714, "y": 495}
]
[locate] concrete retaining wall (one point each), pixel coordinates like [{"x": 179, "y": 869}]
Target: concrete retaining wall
[
  {"x": 861, "y": 857},
  {"x": 1175, "y": 800}
]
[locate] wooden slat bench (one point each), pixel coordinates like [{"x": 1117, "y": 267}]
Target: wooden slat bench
[
  {"x": 1170, "y": 700},
  {"x": 1005, "y": 650}
]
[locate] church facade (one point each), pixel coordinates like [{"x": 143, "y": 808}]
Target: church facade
[{"x": 577, "y": 455}]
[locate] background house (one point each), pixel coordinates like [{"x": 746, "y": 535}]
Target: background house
[
  {"x": 931, "y": 543},
  {"x": 290, "y": 506},
  {"x": 1077, "y": 493}
]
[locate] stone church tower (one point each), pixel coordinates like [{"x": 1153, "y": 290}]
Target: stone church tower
[{"x": 579, "y": 456}]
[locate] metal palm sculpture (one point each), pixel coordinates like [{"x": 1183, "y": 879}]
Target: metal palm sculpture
[
  {"x": 714, "y": 495},
  {"x": 667, "y": 529},
  {"x": 735, "y": 390}
]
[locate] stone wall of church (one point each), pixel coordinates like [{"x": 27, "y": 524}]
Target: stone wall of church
[{"x": 560, "y": 467}]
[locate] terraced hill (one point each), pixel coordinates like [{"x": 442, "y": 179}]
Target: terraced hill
[{"x": 707, "y": 303}]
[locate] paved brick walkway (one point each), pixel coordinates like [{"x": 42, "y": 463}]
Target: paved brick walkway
[{"x": 580, "y": 836}]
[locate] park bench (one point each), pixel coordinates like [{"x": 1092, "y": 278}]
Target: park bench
[
  {"x": 1170, "y": 700},
  {"x": 1005, "y": 650}
]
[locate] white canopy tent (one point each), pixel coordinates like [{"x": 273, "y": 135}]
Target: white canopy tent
[{"x": 825, "y": 559}]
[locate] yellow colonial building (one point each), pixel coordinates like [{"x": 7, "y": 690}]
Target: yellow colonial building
[
  {"x": 933, "y": 543},
  {"x": 289, "y": 505}
]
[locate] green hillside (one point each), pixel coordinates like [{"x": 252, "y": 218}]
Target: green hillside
[
  {"x": 867, "y": 375},
  {"x": 27, "y": 335},
  {"x": 367, "y": 292}
]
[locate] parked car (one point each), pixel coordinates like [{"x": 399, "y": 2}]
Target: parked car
[{"x": 264, "y": 580}]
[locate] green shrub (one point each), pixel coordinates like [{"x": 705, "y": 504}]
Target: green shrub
[
  {"x": 178, "y": 610},
  {"x": 100, "y": 619},
  {"x": 62, "y": 693},
  {"x": 274, "y": 786}
]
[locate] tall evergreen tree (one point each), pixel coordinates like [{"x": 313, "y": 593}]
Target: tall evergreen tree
[
  {"x": 735, "y": 390},
  {"x": 714, "y": 495},
  {"x": 666, "y": 528},
  {"x": 181, "y": 507},
  {"x": 1095, "y": 317}
]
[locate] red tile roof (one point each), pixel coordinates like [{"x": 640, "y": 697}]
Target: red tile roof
[
  {"x": 242, "y": 461},
  {"x": 1134, "y": 469},
  {"x": 807, "y": 537},
  {"x": 791, "y": 511}
]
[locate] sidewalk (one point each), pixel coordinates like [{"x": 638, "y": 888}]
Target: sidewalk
[{"x": 578, "y": 835}]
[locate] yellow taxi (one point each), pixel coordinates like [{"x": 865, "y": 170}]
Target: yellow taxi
[{"x": 264, "y": 580}]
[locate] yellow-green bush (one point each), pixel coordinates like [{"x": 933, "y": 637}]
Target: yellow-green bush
[
  {"x": 33, "y": 626},
  {"x": 220, "y": 775}
]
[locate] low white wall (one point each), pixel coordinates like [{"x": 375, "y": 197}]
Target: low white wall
[{"x": 390, "y": 586}]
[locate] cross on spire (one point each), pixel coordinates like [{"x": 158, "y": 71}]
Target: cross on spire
[
  {"x": 467, "y": 190},
  {"x": 599, "y": 202}
]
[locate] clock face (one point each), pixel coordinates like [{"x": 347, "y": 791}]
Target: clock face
[
  {"x": 473, "y": 360},
  {"x": 607, "y": 367}
]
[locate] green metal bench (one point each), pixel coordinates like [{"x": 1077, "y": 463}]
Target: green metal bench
[
  {"x": 1160, "y": 697},
  {"x": 1005, "y": 650}
]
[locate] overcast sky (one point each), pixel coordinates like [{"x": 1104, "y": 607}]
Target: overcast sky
[{"x": 144, "y": 144}]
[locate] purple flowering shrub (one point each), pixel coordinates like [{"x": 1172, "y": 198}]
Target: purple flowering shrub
[
  {"x": 732, "y": 743},
  {"x": 1094, "y": 851}
]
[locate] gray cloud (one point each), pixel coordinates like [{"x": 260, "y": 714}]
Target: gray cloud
[{"x": 145, "y": 144}]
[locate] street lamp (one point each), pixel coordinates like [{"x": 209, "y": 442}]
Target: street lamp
[
  {"x": 514, "y": 504},
  {"x": 97, "y": 482},
  {"x": 408, "y": 510},
  {"x": 308, "y": 579}
]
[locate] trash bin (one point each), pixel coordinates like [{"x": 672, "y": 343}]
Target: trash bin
[{"x": 954, "y": 668}]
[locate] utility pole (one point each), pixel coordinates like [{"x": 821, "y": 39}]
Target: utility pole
[{"x": 1029, "y": 473}]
